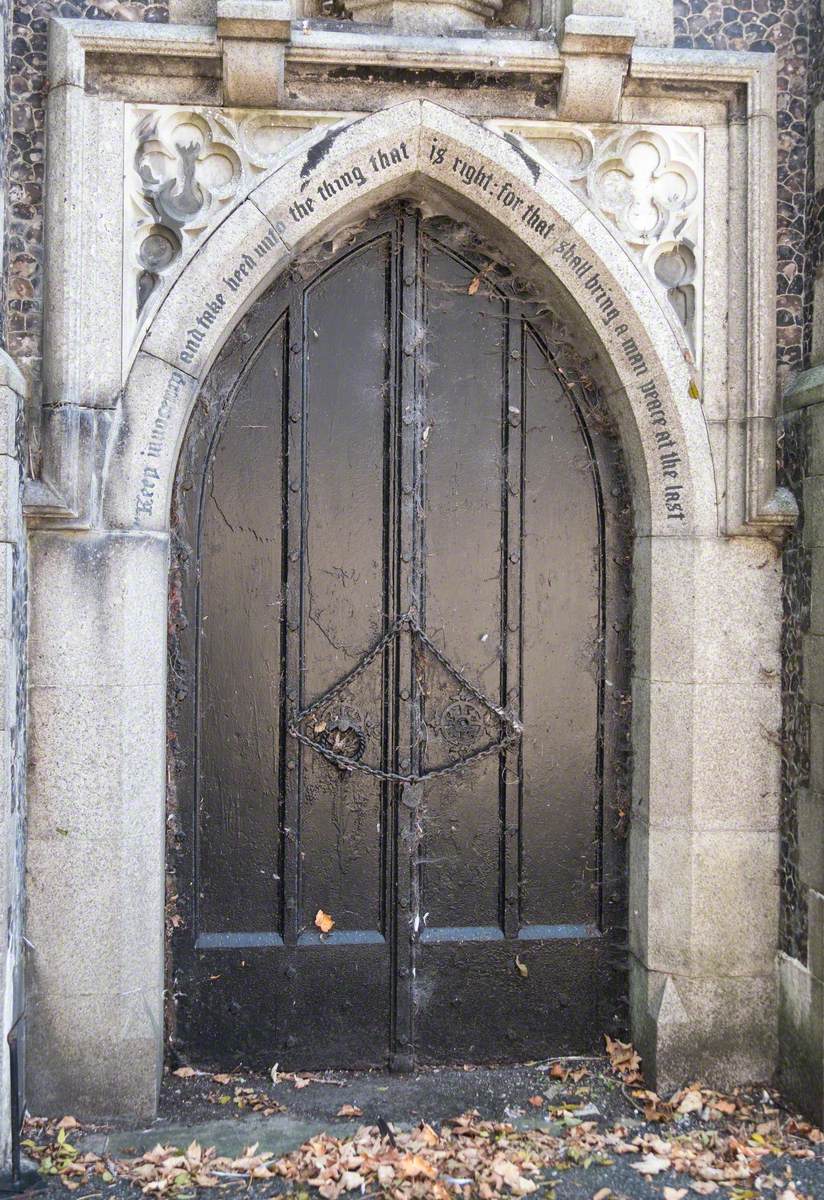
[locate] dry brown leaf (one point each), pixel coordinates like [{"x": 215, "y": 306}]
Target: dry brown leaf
[
  {"x": 67, "y": 1123},
  {"x": 185, "y": 1072},
  {"x": 324, "y": 922},
  {"x": 602, "y": 1194},
  {"x": 703, "y": 1187},
  {"x": 475, "y": 283},
  {"x": 523, "y": 969},
  {"x": 691, "y": 1101},
  {"x": 349, "y": 1110},
  {"x": 412, "y": 1166},
  {"x": 536, "y": 1101},
  {"x": 428, "y": 1135},
  {"x": 651, "y": 1164},
  {"x": 624, "y": 1059},
  {"x": 222, "y": 1078},
  {"x": 671, "y": 1193}
]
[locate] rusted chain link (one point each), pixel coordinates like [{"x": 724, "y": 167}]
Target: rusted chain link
[{"x": 409, "y": 621}]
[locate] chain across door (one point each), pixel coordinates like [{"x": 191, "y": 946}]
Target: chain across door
[{"x": 394, "y": 759}]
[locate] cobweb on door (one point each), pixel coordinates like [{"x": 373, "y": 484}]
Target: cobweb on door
[{"x": 454, "y": 722}]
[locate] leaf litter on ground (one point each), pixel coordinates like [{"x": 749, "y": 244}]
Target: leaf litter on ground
[{"x": 737, "y": 1146}]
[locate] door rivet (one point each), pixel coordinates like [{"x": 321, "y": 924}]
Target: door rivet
[
  {"x": 293, "y": 555},
  {"x": 294, "y": 417},
  {"x": 294, "y": 487},
  {"x": 513, "y": 558},
  {"x": 404, "y": 694},
  {"x": 409, "y": 280}
]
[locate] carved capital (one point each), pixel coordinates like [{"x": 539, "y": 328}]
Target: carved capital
[{"x": 595, "y": 51}]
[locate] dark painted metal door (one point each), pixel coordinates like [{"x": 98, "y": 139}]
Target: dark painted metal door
[{"x": 388, "y": 674}]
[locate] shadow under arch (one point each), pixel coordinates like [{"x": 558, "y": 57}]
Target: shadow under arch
[{"x": 327, "y": 180}]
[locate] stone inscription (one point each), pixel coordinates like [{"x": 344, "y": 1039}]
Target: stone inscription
[
  {"x": 152, "y": 470},
  {"x": 234, "y": 278},
  {"x": 669, "y": 459},
  {"x": 478, "y": 180}
]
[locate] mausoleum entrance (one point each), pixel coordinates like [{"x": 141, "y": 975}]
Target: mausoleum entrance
[{"x": 397, "y": 671}]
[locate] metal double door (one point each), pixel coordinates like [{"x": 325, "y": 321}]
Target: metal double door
[{"x": 399, "y": 594}]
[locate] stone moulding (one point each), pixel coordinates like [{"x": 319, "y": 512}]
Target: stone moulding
[
  {"x": 185, "y": 168},
  {"x": 661, "y": 237}
]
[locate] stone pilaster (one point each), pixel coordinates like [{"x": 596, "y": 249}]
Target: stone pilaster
[{"x": 96, "y": 821}]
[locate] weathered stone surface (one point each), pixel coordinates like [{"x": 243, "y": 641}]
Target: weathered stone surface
[
  {"x": 730, "y": 1031},
  {"x": 97, "y": 742},
  {"x": 801, "y": 1034}
]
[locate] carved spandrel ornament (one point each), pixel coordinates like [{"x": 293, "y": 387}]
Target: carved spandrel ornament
[
  {"x": 646, "y": 183},
  {"x": 186, "y": 167}
]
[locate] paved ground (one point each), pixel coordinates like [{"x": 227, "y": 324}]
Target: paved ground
[{"x": 787, "y": 1160}]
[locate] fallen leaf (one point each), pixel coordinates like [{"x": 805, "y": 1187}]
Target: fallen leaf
[
  {"x": 349, "y": 1110},
  {"x": 624, "y": 1060},
  {"x": 222, "y": 1078},
  {"x": 704, "y": 1187},
  {"x": 67, "y": 1123},
  {"x": 536, "y": 1101},
  {"x": 185, "y": 1072},
  {"x": 651, "y": 1164},
  {"x": 602, "y": 1194},
  {"x": 475, "y": 283},
  {"x": 723, "y": 1106},
  {"x": 414, "y": 1165},
  {"x": 429, "y": 1135},
  {"x": 522, "y": 967},
  {"x": 324, "y": 922},
  {"x": 671, "y": 1193},
  {"x": 691, "y": 1102}
]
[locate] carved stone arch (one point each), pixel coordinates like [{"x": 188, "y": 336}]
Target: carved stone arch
[
  {"x": 327, "y": 180},
  {"x": 706, "y": 625}
]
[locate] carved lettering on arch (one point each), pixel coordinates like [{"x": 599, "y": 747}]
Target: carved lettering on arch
[{"x": 647, "y": 184}]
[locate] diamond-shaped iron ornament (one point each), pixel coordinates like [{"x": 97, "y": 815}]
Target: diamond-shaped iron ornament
[{"x": 341, "y": 736}]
